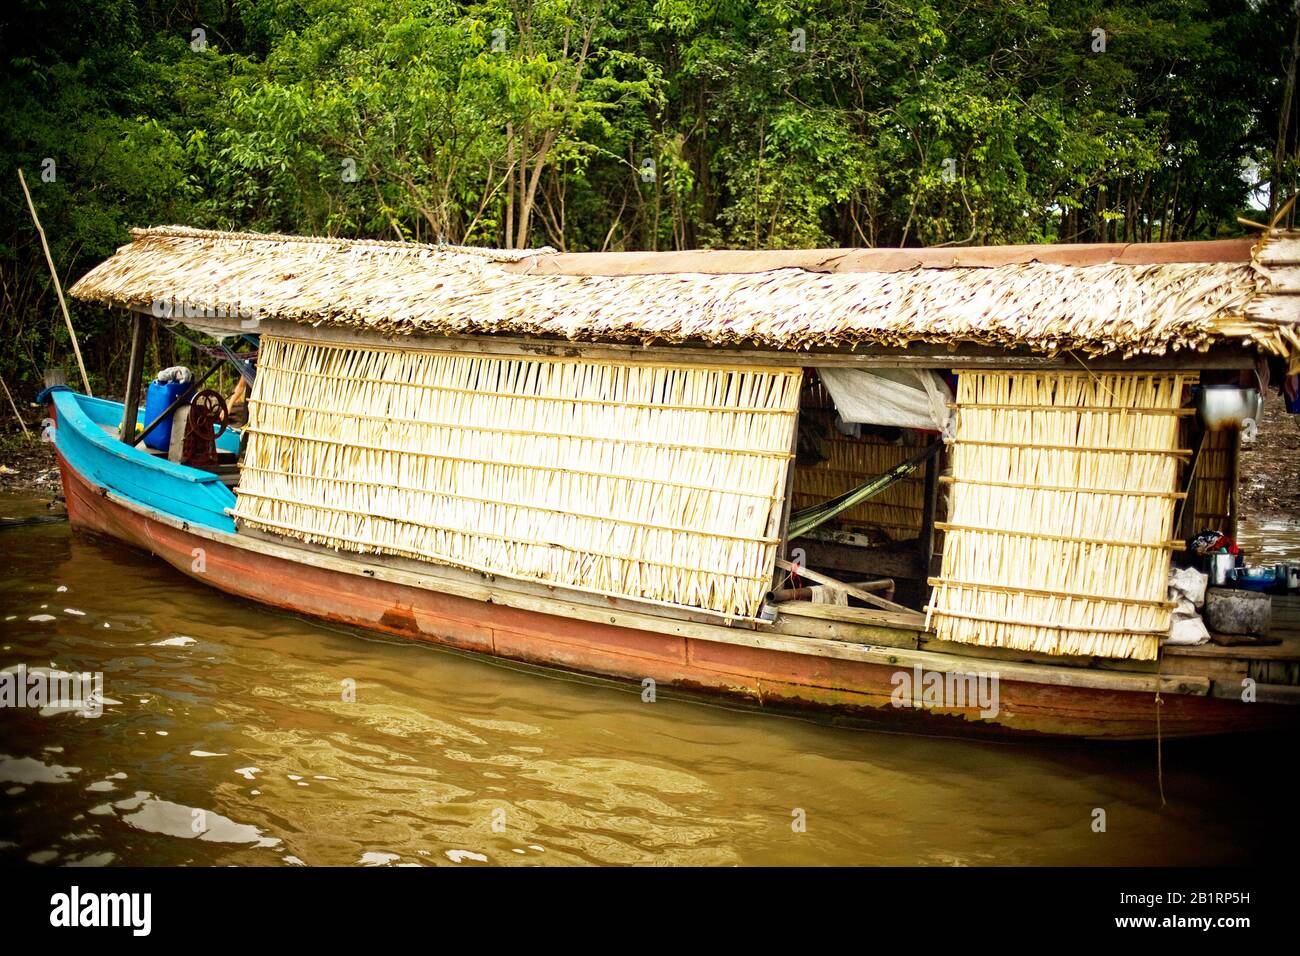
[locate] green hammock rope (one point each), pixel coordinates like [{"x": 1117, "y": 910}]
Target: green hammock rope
[{"x": 808, "y": 519}]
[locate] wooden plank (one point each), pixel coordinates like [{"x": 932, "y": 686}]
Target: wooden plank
[
  {"x": 918, "y": 355},
  {"x": 1047, "y": 625},
  {"x": 1285, "y": 278},
  {"x": 1274, "y": 309},
  {"x": 831, "y": 582},
  {"x": 1214, "y": 668},
  {"x": 931, "y": 643},
  {"x": 1280, "y": 250},
  {"x": 1165, "y": 546},
  {"x": 847, "y": 631},
  {"x": 1264, "y": 693},
  {"x": 1243, "y": 652},
  {"x": 738, "y": 261},
  {"x": 1088, "y": 449},
  {"x": 1063, "y": 489},
  {"x": 911, "y": 621},
  {"x": 1072, "y": 409},
  {"x": 931, "y": 499},
  {"x": 779, "y": 516}
]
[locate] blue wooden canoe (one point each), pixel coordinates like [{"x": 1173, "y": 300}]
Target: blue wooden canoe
[{"x": 80, "y": 435}]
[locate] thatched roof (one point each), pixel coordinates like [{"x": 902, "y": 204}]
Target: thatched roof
[{"x": 1095, "y": 299}]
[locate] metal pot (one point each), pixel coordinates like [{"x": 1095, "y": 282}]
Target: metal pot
[
  {"x": 1228, "y": 406},
  {"x": 1221, "y": 567}
]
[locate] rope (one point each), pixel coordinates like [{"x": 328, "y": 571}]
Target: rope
[{"x": 1160, "y": 752}]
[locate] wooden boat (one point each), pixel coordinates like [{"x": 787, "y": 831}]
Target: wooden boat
[{"x": 364, "y": 498}]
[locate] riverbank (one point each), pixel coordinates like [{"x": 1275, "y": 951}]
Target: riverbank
[
  {"x": 1270, "y": 467},
  {"x": 27, "y": 464}
]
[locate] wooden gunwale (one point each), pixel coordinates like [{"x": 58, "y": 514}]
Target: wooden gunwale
[{"x": 510, "y": 594}]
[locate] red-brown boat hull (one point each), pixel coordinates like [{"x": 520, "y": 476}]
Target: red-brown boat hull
[{"x": 842, "y": 690}]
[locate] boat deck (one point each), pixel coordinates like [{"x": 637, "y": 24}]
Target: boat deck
[{"x": 1273, "y": 663}]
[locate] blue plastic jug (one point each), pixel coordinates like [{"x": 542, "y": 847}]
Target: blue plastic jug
[{"x": 156, "y": 400}]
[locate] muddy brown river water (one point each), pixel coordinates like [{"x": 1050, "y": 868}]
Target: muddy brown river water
[{"x": 227, "y": 740}]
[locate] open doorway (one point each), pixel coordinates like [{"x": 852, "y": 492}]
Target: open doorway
[{"x": 866, "y": 492}]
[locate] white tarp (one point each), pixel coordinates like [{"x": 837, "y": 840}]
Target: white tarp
[{"x": 904, "y": 398}]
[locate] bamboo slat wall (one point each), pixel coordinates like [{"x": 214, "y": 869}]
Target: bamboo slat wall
[
  {"x": 850, "y": 461},
  {"x": 1216, "y": 474},
  {"x": 1062, "y": 513},
  {"x": 661, "y": 483}
]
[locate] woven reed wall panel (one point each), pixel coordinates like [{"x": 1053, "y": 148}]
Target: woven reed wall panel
[
  {"x": 660, "y": 483},
  {"x": 1214, "y": 480},
  {"x": 850, "y": 461},
  {"x": 1062, "y": 513}
]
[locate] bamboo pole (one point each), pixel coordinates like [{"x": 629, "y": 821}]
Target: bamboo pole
[
  {"x": 14, "y": 406},
  {"x": 58, "y": 287},
  {"x": 134, "y": 376}
]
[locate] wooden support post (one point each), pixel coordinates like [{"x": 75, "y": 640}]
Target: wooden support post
[
  {"x": 1234, "y": 479},
  {"x": 134, "y": 376},
  {"x": 781, "y": 527},
  {"x": 929, "y": 510},
  {"x": 1185, "y": 516}
]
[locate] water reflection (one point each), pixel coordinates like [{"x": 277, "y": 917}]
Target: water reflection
[{"x": 234, "y": 743}]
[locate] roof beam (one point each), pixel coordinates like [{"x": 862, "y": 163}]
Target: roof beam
[{"x": 914, "y": 356}]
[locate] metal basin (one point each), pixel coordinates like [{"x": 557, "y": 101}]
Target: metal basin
[{"x": 1227, "y": 406}]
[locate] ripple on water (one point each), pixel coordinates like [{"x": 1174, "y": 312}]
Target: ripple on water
[{"x": 443, "y": 759}]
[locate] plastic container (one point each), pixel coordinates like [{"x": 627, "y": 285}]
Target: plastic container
[
  {"x": 156, "y": 400},
  {"x": 1254, "y": 579}
]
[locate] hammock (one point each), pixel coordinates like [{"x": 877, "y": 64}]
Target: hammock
[{"x": 809, "y": 519}]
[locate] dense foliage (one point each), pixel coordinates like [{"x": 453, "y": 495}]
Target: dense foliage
[{"x": 627, "y": 124}]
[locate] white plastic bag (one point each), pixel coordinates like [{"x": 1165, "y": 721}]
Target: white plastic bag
[
  {"x": 1188, "y": 583},
  {"x": 903, "y": 398},
  {"x": 177, "y": 373}
]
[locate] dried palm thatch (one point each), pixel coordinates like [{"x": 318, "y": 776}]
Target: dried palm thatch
[
  {"x": 400, "y": 288},
  {"x": 656, "y": 482},
  {"x": 1062, "y": 513}
]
